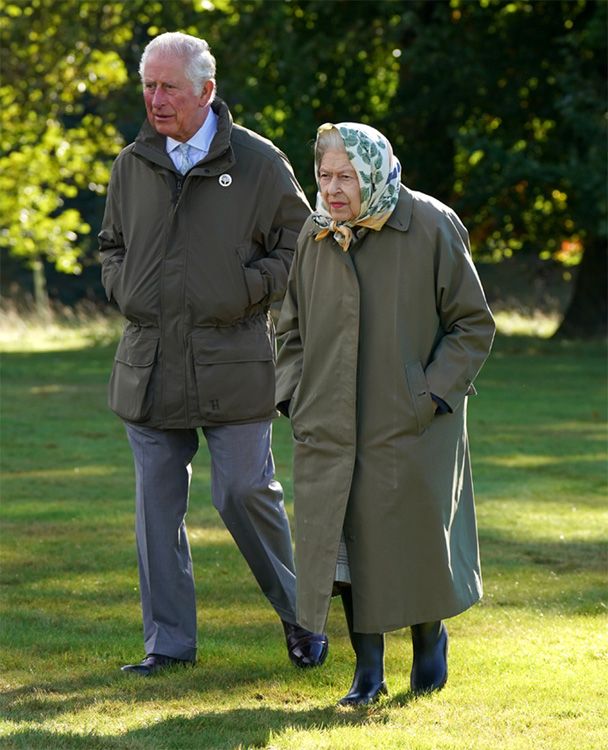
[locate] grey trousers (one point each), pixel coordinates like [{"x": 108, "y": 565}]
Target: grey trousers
[{"x": 249, "y": 501}]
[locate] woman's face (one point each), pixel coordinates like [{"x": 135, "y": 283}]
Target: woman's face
[{"x": 339, "y": 186}]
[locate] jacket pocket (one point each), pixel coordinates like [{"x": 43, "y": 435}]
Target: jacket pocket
[
  {"x": 254, "y": 282},
  {"x": 129, "y": 388},
  {"x": 420, "y": 395},
  {"x": 234, "y": 372}
]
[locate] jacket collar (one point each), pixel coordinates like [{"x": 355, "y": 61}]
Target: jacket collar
[{"x": 151, "y": 145}]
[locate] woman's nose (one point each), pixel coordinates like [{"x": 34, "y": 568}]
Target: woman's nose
[{"x": 333, "y": 186}]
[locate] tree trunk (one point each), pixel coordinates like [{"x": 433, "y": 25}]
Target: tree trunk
[
  {"x": 41, "y": 295},
  {"x": 587, "y": 313}
]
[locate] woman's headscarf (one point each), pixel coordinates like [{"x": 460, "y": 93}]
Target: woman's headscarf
[{"x": 379, "y": 173}]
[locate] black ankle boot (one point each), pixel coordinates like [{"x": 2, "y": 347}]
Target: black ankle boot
[
  {"x": 368, "y": 682},
  {"x": 430, "y": 666}
]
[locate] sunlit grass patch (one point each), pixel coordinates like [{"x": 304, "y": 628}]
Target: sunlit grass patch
[
  {"x": 527, "y": 323},
  {"x": 62, "y": 329}
]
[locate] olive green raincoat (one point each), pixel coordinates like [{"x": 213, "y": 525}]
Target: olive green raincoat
[{"x": 368, "y": 336}]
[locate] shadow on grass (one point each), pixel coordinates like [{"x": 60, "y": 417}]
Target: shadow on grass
[
  {"x": 212, "y": 730},
  {"x": 230, "y": 658},
  {"x": 562, "y": 556},
  {"x": 566, "y": 576},
  {"x": 205, "y": 730}
]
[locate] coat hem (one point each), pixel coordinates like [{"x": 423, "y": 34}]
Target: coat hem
[{"x": 444, "y": 614}]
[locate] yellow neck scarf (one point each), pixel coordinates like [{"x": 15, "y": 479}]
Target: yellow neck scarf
[{"x": 343, "y": 234}]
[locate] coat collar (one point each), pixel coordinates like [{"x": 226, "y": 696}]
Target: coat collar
[
  {"x": 402, "y": 215},
  {"x": 151, "y": 145}
]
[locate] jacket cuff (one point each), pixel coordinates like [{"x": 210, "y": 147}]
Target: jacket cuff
[{"x": 255, "y": 285}]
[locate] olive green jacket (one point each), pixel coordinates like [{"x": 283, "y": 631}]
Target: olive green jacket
[
  {"x": 194, "y": 263},
  {"x": 368, "y": 336}
]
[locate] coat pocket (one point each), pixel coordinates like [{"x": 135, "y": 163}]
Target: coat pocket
[
  {"x": 129, "y": 388},
  {"x": 234, "y": 372},
  {"x": 420, "y": 395}
]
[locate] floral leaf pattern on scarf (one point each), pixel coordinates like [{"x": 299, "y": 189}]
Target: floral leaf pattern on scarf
[{"x": 379, "y": 173}]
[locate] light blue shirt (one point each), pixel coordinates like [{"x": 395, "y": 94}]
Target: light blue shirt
[{"x": 199, "y": 143}]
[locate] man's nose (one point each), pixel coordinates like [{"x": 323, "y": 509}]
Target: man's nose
[{"x": 158, "y": 98}]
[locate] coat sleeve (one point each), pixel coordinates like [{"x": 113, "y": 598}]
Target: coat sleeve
[
  {"x": 291, "y": 352},
  {"x": 286, "y": 210},
  {"x": 111, "y": 243},
  {"x": 466, "y": 322}
]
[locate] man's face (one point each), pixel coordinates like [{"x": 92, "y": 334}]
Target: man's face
[{"x": 174, "y": 109}]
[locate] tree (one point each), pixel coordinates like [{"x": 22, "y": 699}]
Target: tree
[
  {"x": 495, "y": 106},
  {"x": 529, "y": 144},
  {"x": 51, "y": 134}
]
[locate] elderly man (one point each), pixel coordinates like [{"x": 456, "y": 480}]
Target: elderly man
[{"x": 198, "y": 235}]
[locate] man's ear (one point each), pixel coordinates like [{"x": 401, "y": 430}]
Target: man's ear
[{"x": 206, "y": 93}]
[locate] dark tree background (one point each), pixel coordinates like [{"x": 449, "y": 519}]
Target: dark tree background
[{"x": 497, "y": 108}]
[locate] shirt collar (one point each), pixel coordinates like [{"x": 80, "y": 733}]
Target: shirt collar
[{"x": 201, "y": 140}]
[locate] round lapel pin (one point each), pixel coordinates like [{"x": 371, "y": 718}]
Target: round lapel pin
[{"x": 225, "y": 180}]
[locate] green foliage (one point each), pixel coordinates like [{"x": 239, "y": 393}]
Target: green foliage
[
  {"x": 530, "y": 146},
  {"x": 70, "y": 613},
  {"x": 494, "y": 106},
  {"x": 54, "y": 144}
]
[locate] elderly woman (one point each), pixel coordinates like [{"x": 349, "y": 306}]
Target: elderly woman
[{"x": 384, "y": 328}]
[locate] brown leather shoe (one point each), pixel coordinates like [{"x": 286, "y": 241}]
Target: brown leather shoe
[
  {"x": 154, "y": 663},
  {"x": 305, "y": 649}
]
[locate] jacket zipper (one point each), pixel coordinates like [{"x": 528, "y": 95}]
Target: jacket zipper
[
  {"x": 178, "y": 193},
  {"x": 179, "y": 184}
]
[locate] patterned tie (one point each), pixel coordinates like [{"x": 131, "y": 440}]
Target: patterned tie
[{"x": 185, "y": 160}]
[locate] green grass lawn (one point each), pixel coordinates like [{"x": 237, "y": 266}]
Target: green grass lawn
[{"x": 528, "y": 665}]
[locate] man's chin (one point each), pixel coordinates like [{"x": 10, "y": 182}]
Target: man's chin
[{"x": 163, "y": 126}]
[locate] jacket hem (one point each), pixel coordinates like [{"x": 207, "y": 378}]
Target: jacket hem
[{"x": 193, "y": 424}]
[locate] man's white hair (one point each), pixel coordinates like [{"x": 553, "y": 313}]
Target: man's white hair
[{"x": 199, "y": 63}]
